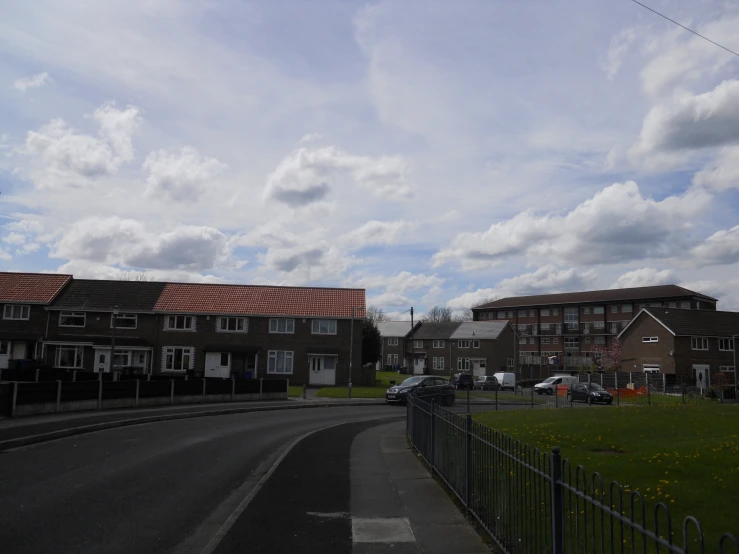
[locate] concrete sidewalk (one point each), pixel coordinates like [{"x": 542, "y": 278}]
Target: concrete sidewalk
[{"x": 396, "y": 506}]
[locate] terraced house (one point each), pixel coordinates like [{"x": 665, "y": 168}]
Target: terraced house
[
  {"x": 243, "y": 331},
  {"x": 572, "y": 325}
]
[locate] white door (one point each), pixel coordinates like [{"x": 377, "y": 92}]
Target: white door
[
  {"x": 18, "y": 352},
  {"x": 316, "y": 370},
  {"x": 478, "y": 367},
  {"x": 329, "y": 370},
  {"x": 218, "y": 364},
  {"x": 700, "y": 372},
  {"x": 4, "y": 353},
  {"x": 102, "y": 361},
  {"x": 418, "y": 365}
]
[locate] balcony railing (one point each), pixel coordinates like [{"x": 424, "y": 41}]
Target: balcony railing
[{"x": 551, "y": 329}]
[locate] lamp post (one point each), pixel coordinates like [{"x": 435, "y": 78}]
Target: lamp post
[
  {"x": 351, "y": 347},
  {"x": 113, "y": 318},
  {"x": 736, "y": 385}
]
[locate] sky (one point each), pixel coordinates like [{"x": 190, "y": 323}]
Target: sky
[{"x": 433, "y": 153}]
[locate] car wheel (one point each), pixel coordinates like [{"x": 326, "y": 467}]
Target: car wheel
[
  {"x": 590, "y": 400},
  {"x": 550, "y": 392}
]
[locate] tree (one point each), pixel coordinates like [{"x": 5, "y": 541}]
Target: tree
[
  {"x": 371, "y": 342},
  {"x": 610, "y": 359},
  {"x": 464, "y": 315},
  {"x": 134, "y": 276},
  {"x": 376, "y": 314},
  {"x": 437, "y": 314}
]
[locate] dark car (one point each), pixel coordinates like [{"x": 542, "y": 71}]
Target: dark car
[
  {"x": 427, "y": 387},
  {"x": 589, "y": 392},
  {"x": 487, "y": 382},
  {"x": 465, "y": 382}
]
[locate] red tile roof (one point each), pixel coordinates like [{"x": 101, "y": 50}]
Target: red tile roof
[
  {"x": 260, "y": 300},
  {"x": 31, "y": 288}
]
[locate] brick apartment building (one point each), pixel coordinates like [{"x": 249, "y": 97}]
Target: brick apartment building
[
  {"x": 697, "y": 347},
  {"x": 570, "y": 325},
  {"x": 248, "y": 331}
]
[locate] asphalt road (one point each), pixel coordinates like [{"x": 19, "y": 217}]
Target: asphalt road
[{"x": 145, "y": 488}]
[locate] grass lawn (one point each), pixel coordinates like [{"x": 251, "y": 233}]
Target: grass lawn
[
  {"x": 684, "y": 456},
  {"x": 295, "y": 391},
  {"x": 357, "y": 392}
]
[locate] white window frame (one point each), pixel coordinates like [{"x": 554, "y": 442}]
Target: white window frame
[
  {"x": 545, "y": 340},
  {"x": 626, "y": 308},
  {"x": 288, "y": 324},
  {"x": 586, "y": 310},
  {"x": 463, "y": 364},
  {"x": 651, "y": 368},
  {"x": 599, "y": 324},
  {"x": 600, "y": 340},
  {"x": 614, "y": 309},
  {"x": 699, "y": 343},
  {"x": 544, "y": 312},
  {"x": 532, "y": 340},
  {"x": 509, "y": 362},
  {"x": 555, "y": 340},
  {"x": 726, "y": 368},
  {"x": 72, "y": 314},
  {"x": 522, "y": 340},
  {"x": 437, "y": 363},
  {"x": 464, "y": 343},
  {"x": 273, "y": 361},
  {"x": 532, "y": 313},
  {"x": 438, "y": 344},
  {"x": 172, "y": 321},
  {"x": 124, "y": 317},
  {"x": 510, "y": 315},
  {"x": 188, "y": 351},
  {"x": 587, "y": 340},
  {"x": 418, "y": 343},
  {"x": 392, "y": 341},
  {"x": 523, "y": 313},
  {"x": 78, "y": 356},
  {"x": 8, "y": 310},
  {"x": 501, "y": 315},
  {"x": 726, "y": 345},
  {"x": 317, "y": 324},
  {"x": 555, "y": 311},
  {"x": 572, "y": 341},
  {"x": 598, "y": 310},
  {"x": 392, "y": 359},
  {"x": 685, "y": 305},
  {"x": 475, "y": 344},
  {"x": 544, "y": 326},
  {"x": 228, "y": 319},
  {"x": 571, "y": 315},
  {"x": 650, "y": 339}
]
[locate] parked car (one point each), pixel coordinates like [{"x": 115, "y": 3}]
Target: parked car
[
  {"x": 506, "y": 380},
  {"x": 465, "y": 382},
  {"x": 487, "y": 382},
  {"x": 589, "y": 392},
  {"x": 423, "y": 386},
  {"x": 549, "y": 385}
]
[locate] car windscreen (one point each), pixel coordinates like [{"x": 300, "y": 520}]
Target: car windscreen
[
  {"x": 595, "y": 386},
  {"x": 412, "y": 381},
  {"x": 549, "y": 380}
]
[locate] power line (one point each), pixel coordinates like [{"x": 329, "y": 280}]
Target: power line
[{"x": 686, "y": 28}]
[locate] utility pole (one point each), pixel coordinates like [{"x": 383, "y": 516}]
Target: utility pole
[
  {"x": 113, "y": 322},
  {"x": 413, "y": 358}
]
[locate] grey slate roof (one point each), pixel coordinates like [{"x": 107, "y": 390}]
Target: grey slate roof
[
  {"x": 705, "y": 323},
  {"x": 479, "y": 330},
  {"x": 436, "y": 331},
  {"x": 394, "y": 328},
  {"x": 609, "y": 295},
  {"x": 95, "y": 295}
]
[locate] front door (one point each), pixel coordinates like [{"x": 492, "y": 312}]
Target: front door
[
  {"x": 316, "y": 370},
  {"x": 218, "y": 364},
  {"x": 102, "y": 361},
  {"x": 478, "y": 367},
  {"x": 700, "y": 372},
  {"x": 4, "y": 353},
  {"x": 418, "y": 365}
]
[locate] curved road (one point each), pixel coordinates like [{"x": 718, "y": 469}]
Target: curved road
[{"x": 145, "y": 488}]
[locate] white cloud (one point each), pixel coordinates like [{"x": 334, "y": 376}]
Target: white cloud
[
  {"x": 14, "y": 238},
  {"x": 722, "y": 173},
  {"x": 644, "y": 277},
  {"x": 180, "y": 176},
  {"x": 616, "y": 225},
  {"x": 726, "y": 291},
  {"x": 545, "y": 280},
  {"x": 303, "y": 263},
  {"x": 5, "y": 255},
  {"x": 396, "y": 289},
  {"x": 308, "y": 175},
  {"x": 131, "y": 244},
  {"x": 378, "y": 232},
  {"x": 722, "y": 247},
  {"x": 617, "y": 51},
  {"x": 82, "y": 269},
  {"x": 65, "y": 157},
  {"x": 34, "y": 81},
  {"x": 690, "y": 122}
]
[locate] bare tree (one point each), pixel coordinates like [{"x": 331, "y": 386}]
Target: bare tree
[
  {"x": 437, "y": 314},
  {"x": 375, "y": 314},
  {"x": 135, "y": 276},
  {"x": 467, "y": 314}
]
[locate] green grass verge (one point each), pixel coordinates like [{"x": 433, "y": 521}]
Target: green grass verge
[
  {"x": 295, "y": 392},
  {"x": 684, "y": 456},
  {"x": 357, "y": 392}
]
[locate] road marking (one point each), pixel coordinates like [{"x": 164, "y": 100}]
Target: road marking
[
  {"x": 382, "y": 529},
  {"x": 330, "y": 515}
]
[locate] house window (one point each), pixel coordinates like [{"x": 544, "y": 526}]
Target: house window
[
  {"x": 544, "y": 312},
  {"x": 555, "y": 311},
  {"x": 726, "y": 368},
  {"x": 614, "y": 309},
  {"x": 587, "y": 340},
  {"x": 510, "y": 315},
  {"x": 69, "y": 357},
  {"x": 392, "y": 341},
  {"x": 280, "y": 361},
  {"x": 572, "y": 343},
  {"x": 324, "y": 327},
  {"x": 614, "y": 327},
  {"x": 571, "y": 315},
  {"x": 600, "y": 340},
  {"x": 501, "y": 315},
  {"x": 178, "y": 358},
  {"x": 281, "y": 325},
  {"x": 438, "y": 344},
  {"x": 181, "y": 323},
  {"x": 509, "y": 362},
  {"x": 545, "y": 340},
  {"x": 71, "y": 319},
  {"x": 124, "y": 321},
  {"x": 463, "y": 364},
  {"x": 626, "y": 308},
  {"x": 463, "y": 344},
  {"x": 650, "y": 339},
  {"x": 225, "y": 359},
  {"x": 685, "y": 305},
  {"x": 392, "y": 359},
  {"x": 555, "y": 340},
  {"x": 597, "y": 309},
  {"x": 699, "y": 343},
  {"x": 532, "y": 313},
  {"x": 584, "y": 310},
  {"x": 650, "y": 368},
  {"x": 522, "y": 313},
  {"x": 16, "y": 311},
  {"x": 670, "y": 304},
  {"x": 522, "y": 340},
  {"x": 330, "y": 362},
  {"x": 475, "y": 344},
  {"x": 438, "y": 364},
  {"x": 417, "y": 344},
  {"x": 522, "y": 326},
  {"x": 483, "y": 316},
  {"x": 232, "y": 325},
  {"x": 726, "y": 344},
  {"x": 532, "y": 340},
  {"x": 544, "y": 327},
  {"x": 599, "y": 324}
]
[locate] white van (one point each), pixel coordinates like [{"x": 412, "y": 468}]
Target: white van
[
  {"x": 506, "y": 380},
  {"x": 549, "y": 385}
]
